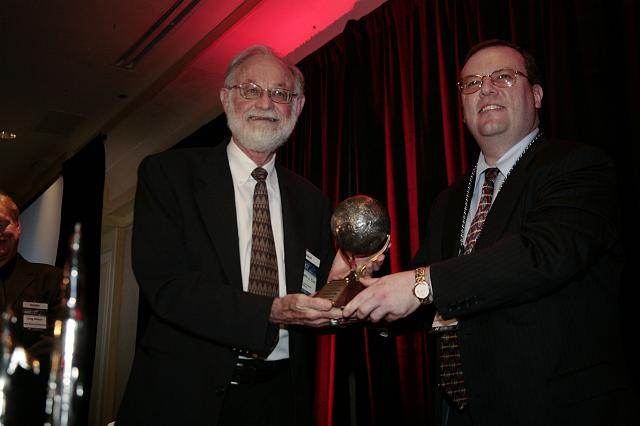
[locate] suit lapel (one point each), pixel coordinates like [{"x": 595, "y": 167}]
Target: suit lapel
[
  {"x": 21, "y": 278},
  {"x": 504, "y": 205},
  {"x": 453, "y": 218},
  {"x": 292, "y": 221},
  {"x": 216, "y": 201}
]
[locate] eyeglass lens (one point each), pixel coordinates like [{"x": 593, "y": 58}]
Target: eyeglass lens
[
  {"x": 253, "y": 91},
  {"x": 500, "y": 78}
]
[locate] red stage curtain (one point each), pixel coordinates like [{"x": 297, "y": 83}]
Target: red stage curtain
[{"x": 382, "y": 118}]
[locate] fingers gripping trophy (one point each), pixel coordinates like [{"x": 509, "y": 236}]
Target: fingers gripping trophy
[{"x": 360, "y": 226}]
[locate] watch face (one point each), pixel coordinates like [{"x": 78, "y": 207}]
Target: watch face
[{"x": 421, "y": 291}]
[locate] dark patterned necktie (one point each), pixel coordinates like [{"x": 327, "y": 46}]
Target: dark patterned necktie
[
  {"x": 451, "y": 375},
  {"x": 263, "y": 270},
  {"x": 483, "y": 209}
]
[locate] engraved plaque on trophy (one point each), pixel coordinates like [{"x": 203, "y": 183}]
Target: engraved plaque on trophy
[{"x": 360, "y": 226}]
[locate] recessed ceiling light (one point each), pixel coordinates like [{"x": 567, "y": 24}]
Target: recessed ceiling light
[{"x": 4, "y": 135}]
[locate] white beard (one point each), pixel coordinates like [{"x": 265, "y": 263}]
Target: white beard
[{"x": 259, "y": 138}]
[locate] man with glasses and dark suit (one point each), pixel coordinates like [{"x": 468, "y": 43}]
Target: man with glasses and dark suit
[
  {"x": 522, "y": 264},
  {"x": 228, "y": 247}
]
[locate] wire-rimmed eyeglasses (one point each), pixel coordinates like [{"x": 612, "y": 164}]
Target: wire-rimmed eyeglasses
[
  {"x": 253, "y": 91},
  {"x": 505, "y": 77}
]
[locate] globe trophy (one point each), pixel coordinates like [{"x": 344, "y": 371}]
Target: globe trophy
[{"x": 360, "y": 226}]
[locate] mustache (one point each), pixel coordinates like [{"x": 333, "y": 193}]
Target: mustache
[{"x": 254, "y": 113}]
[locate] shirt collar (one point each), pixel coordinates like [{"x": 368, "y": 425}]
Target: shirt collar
[
  {"x": 508, "y": 159},
  {"x": 241, "y": 165}
]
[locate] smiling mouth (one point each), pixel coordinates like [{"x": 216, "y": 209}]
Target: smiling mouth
[
  {"x": 491, "y": 107},
  {"x": 262, "y": 118}
]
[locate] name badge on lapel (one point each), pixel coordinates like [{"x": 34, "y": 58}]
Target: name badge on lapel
[
  {"x": 34, "y": 315},
  {"x": 310, "y": 277}
]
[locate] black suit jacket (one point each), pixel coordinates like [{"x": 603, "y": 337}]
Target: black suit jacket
[
  {"x": 39, "y": 283},
  {"x": 32, "y": 282},
  {"x": 186, "y": 261},
  {"x": 537, "y": 300}
]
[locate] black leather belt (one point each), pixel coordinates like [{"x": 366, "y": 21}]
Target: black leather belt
[{"x": 257, "y": 371}]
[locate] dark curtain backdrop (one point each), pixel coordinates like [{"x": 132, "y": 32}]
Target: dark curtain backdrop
[
  {"x": 82, "y": 203},
  {"x": 382, "y": 117}
]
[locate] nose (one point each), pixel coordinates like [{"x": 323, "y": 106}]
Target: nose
[
  {"x": 264, "y": 101},
  {"x": 487, "y": 87}
]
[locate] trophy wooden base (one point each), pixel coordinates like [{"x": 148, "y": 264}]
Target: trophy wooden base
[{"x": 340, "y": 292}]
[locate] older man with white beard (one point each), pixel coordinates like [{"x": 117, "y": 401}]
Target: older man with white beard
[{"x": 228, "y": 247}]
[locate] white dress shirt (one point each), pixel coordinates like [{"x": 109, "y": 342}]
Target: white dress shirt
[
  {"x": 504, "y": 165},
  {"x": 243, "y": 185}
]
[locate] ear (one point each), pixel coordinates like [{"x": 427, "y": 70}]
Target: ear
[
  {"x": 464, "y": 118},
  {"x": 224, "y": 94},
  {"x": 537, "y": 95},
  {"x": 299, "y": 104}
]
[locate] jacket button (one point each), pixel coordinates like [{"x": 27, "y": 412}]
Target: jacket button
[{"x": 220, "y": 390}]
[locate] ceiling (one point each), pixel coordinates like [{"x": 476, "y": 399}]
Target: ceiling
[{"x": 63, "y": 80}]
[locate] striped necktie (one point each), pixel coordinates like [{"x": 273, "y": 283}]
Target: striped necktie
[
  {"x": 483, "y": 209},
  {"x": 451, "y": 374},
  {"x": 263, "y": 269}
]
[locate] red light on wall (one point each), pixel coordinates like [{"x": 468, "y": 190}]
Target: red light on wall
[{"x": 283, "y": 25}]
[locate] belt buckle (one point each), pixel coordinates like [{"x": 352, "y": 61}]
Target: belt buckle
[
  {"x": 438, "y": 330},
  {"x": 245, "y": 369}
]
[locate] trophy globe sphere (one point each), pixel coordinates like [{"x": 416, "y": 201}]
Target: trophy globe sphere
[{"x": 360, "y": 226}]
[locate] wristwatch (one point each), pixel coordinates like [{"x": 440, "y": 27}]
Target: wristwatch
[{"x": 422, "y": 289}]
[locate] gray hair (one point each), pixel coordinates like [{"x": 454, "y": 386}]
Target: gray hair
[{"x": 259, "y": 49}]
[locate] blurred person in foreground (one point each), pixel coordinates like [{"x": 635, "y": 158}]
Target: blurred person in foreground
[{"x": 31, "y": 293}]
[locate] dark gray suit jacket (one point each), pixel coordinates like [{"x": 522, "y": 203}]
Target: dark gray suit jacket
[
  {"x": 537, "y": 300},
  {"x": 186, "y": 261}
]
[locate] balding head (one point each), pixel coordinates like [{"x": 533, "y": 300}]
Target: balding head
[
  {"x": 9, "y": 228},
  {"x": 7, "y": 202}
]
